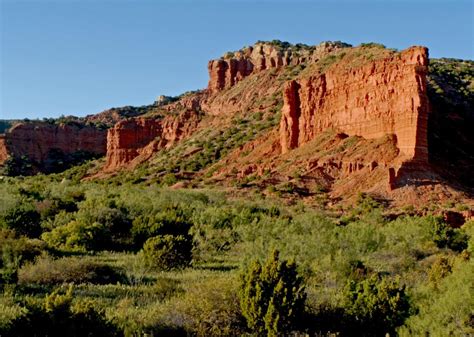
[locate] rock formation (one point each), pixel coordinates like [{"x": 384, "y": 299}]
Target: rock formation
[
  {"x": 133, "y": 141},
  {"x": 352, "y": 119},
  {"x": 233, "y": 67},
  {"x": 386, "y": 96},
  {"x": 127, "y": 138},
  {"x": 37, "y": 140},
  {"x": 3, "y": 149}
]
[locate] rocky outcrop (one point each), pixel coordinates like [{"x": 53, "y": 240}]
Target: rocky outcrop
[
  {"x": 135, "y": 140},
  {"x": 38, "y": 141},
  {"x": 233, "y": 67},
  {"x": 127, "y": 138},
  {"x": 386, "y": 96},
  {"x": 3, "y": 149}
]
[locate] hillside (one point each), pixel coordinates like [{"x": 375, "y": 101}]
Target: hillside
[
  {"x": 306, "y": 191},
  {"x": 366, "y": 118},
  {"x": 240, "y": 123}
]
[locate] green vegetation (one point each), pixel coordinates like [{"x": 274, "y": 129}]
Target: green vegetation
[
  {"x": 272, "y": 296},
  {"x": 56, "y": 315},
  {"x": 148, "y": 260},
  {"x": 18, "y": 166},
  {"x": 451, "y": 93},
  {"x": 372, "y": 45},
  {"x": 56, "y": 161},
  {"x": 165, "y": 252},
  {"x": 137, "y": 254},
  {"x": 378, "y": 305}
]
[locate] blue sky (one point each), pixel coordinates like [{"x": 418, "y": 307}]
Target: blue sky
[{"x": 82, "y": 57}]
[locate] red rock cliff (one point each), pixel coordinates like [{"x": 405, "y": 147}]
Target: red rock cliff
[
  {"x": 233, "y": 67},
  {"x": 36, "y": 140},
  {"x": 134, "y": 140},
  {"x": 3, "y": 149},
  {"x": 386, "y": 96}
]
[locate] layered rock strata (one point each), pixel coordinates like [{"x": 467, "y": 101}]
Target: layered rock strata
[
  {"x": 3, "y": 149},
  {"x": 386, "y": 96},
  {"x": 38, "y": 140},
  {"x": 233, "y": 67},
  {"x": 133, "y": 141}
]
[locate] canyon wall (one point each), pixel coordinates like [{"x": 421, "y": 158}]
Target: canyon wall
[
  {"x": 233, "y": 67},
  {"x": 3, "y": 149},
  {"x": 385, "y": 96},
  {"x": 133, "y": 141},
  {"x": 38, "y": 140}
]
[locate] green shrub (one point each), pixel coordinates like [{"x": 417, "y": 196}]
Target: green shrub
[
  {"x": 447, "y": 237},
  {"x": 48, "y": 208},
  {"x": 10, "y": 264},
  {"x": 77, "y": 236},
  {"x": 210, "y": 307},
  {"x": 376, "y": 305},
  {"x": 113, "y": 217},
  {"x": 25, "y": 249},
  {"x": 173, "y": 220},
  {"x": 58, "y": 316},
  {"x": 366, "y": 203},
  {"x": 48, "y": 271},
  {"x": 23, "y": 219},
  {"x": 169, "y": 179},
  {"x": 18, "y": 166},
  {"x": 14, "y": 251},
  {"x": 445, "y": 310},
  {"x": 10, "y": 313},
  {"x": 165, "y": 252},
  {"x": 372, "y": 45},
  {"x": 272, "y": 296},
  {"x": 439, "y": 270}
]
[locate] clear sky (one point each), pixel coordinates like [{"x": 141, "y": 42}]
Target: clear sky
[{"x": 82, "y": 57}]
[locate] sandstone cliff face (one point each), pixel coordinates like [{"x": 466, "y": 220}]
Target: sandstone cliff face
[
  {"x": 3, "y": 149},
  {"x": 38, "y": 140},
  {"x": 386, "y": 96},
  {"x": 227, "y": 71},
  {"x": 127, "y": 138},
  {"x": 133, "y": 141}
]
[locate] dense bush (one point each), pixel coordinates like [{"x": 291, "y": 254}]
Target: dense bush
[
  {"x": 58, "y": 316},
  {"x": 165, "y": 252},
  {"x": 99, "y": 224},
  {"x": 48, "y": 208},
  {"x": 23, "y": 219},
  {"x": 224, "y": 230},
  {"x": 172, "y": 220},
  {"x": 14, "y": 251},
  {"x": 78, "y": 236},
  {"x": 18, "y": 166},
  {"x": 210, "y": 307},
  {"x": 377, "y": 305},
  {"x": 445, "y": 310},
  {"x": 24, "y": 248},
  {"x": 10, "y": 263},
  {"x": 447, "y": 237},
  {"x": 439, "y": 270},
  {"x": 48, "y": 271},
  {"x": 272, "y": 296}
]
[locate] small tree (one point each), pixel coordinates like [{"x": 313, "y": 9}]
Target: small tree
[
  {"x": 272, "y": 296},
  {"x": 167, "y": 252},
  {"x": 377, "y": 305},
  {"x": 23, "y": 219}
]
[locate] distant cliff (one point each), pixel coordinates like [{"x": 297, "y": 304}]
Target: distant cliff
[
  {"x": 44, "y": 145},
  {"x": 340, "y": 118},
  {"x": 135, "y": 140}
]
